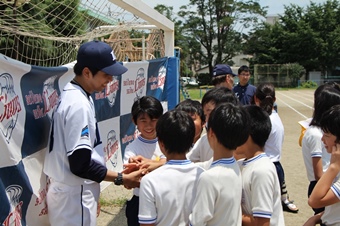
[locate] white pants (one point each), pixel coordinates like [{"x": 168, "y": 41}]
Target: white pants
[{"x": 72, "y": 205}]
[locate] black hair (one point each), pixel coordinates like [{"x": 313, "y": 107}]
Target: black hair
[
  {"x": 325, "y": 98},
  {"x": 330, "y": 122},
  {"x": 230, "y": 123},
  {"x": 243, "y": 68},
  {"x": 218, "y": 79},
  {"x": 146, "y": 104},
  {"x": 219, "y": 95},
  {"x": 191, "y": 107},
  {"x": 265, "y": 92},
  {"x": 78, "y": 69},
  {"x": 176, "y": 130},
  {"x": 260, "y": 124}
]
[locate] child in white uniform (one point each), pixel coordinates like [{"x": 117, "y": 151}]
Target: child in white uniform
[
  {"x": 219, "y": 189},
  {"x": 265, "y": 98},
  {"x": 167, "y": 193},
  {"x": 145, "y": 113},
  {"x": 201, "y": 152},
  {"x": 261, "y": 197},
  {"x": 315, "y": 155},
  {"x": 327, "y": 190}
]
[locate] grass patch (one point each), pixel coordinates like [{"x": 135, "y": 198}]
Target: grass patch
[
  {"x": 119, "y": 202},
  {"x": 195, "y": 93}
]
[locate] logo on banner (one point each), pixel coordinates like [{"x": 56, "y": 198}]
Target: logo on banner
[
  {"x": 111, "y": 148},
  {"x": 159, "y": 81},
  {"x": 13, "y": 193},
  {"x": 49, "y": 98},
  {"x": 140, "y": 82},
  {"x": 9, "y": 106},
  {"x": 111, "y": 90}
]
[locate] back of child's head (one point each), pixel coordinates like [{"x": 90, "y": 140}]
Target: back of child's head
[
  {"x": 176, "y": 130},
  {"x": 326, "y": 85},
  {"x": 260, "y": 124},
  {"x": 219, "y": 95},
  {"x": 191, "y": 107},
  {"x": 265, "y": 93},
  {"x": 326, "y": 98},
  {"x": 330, "y": 122},
  {"x": 230, "y": 124},
  {"x": 149, "y": 105}
]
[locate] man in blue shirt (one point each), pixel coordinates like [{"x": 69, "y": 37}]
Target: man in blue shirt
[{"x": 243, "y": 90}]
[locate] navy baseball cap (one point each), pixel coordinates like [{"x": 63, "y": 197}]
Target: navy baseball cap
[
  {"x": 99, "y": 55},
  {"x": 222, "y": 69}
]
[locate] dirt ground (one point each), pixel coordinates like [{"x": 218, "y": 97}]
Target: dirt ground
[{"x": 293, "y": 106}]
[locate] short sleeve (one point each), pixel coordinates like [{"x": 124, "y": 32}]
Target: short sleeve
[
  {"x": 147, "y": 209},
  {"x": 262, "y": 189},
  {"x": 78, "y": 129}
]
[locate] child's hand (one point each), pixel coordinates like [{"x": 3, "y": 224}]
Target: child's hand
[
  {"x": 151, "y": 165},
  {"x": 335, "y": 157},
  {"x": 130, "y": 167},
  {"x": 138, "y": 159}
]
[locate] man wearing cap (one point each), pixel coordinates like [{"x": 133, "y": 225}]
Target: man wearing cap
[
  {"x": 74, "y": 161},
  {"x": 243, "y": 90},
  {"x": 223, "y": 76}
]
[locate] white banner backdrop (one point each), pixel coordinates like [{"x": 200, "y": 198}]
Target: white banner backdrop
[{"x": 28, "y": 96}]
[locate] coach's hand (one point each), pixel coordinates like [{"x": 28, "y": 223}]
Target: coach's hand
[{"x": 132, "y": 180}]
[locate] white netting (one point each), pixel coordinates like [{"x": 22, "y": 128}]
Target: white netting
[{"x": 49, "y": 32}]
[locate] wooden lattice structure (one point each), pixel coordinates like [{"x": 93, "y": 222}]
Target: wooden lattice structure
[{"x": 129, "y": 49}]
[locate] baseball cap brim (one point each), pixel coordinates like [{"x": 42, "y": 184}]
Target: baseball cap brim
[{"x": 115, "y": 69}]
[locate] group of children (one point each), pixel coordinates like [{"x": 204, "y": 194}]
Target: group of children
[
  {"x": 320, "y": 149},
  {"x": 225, "y": 176}
]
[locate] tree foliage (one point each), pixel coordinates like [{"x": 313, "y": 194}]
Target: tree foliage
[
  {"x": 309, "y": 36},
  {"x": 293, "y": 71},
  {"x": 217, "y": 26}
]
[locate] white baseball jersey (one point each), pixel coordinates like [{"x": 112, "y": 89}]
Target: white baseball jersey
[
  {"x": 146, "y": 148},
  {"x": 167, "y": 193},
  {"x": 273, "y": 146},
  {"x": 201, "y": 151},
  {"x": 219, "y": 192},
  {"x": 313, "y": 147},
  {"x": 71, "y": 199},
  {"x": 331, "y": 214},
  {"x": 261, "y": 195},
  {"x": 74, "y": 127}
]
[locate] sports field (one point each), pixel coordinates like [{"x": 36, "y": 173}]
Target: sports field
[{"x": 293, "y": 105}]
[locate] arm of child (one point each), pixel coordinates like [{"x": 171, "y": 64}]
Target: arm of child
[
  {"x": 153, "y": 164},
  {"x": 317, "y": 167},
  {"x": 323, "y": 194},
  {"x": 248, "y": 220},
  {"x": 312, "y": 221}
]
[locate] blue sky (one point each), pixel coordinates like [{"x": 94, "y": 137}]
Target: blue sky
[{"x": 275, "y": 6}]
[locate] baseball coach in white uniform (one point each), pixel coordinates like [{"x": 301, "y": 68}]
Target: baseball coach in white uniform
[{"x": 74, "y": 161}]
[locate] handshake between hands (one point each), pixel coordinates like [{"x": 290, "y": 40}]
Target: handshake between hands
[{"x": 137, "y": 167}]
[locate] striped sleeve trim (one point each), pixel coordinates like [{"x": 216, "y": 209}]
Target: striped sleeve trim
[
  {"x": 319, "y": 155},
  {"x": 146, "y": 221},
  {"x": 262, "y": 214},
  {"x": 335, "y": 191}
]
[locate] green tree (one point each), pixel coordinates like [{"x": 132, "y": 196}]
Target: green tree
[
  {"x": 40, "y": 19},
  {"x": 293, "y": 71},
  {"x": 217, "y": 25},
  {"x": 308, "y": 36},
  {"x": 184, "y": 42}
]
